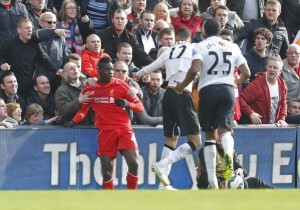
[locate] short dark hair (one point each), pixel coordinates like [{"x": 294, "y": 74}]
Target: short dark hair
[
  {"x": 6, "y": 74},
  {"x": 146, "y": 12},
  {"x": 37, "y": 76},
  {"x": 293, "y": 100},
  {"x": 212, "y": 28},
  {"x": 103, "y": 60},
  {"x": 119, "y": 11},
  {"x": 227, "y": 32},
  {"x": 73, "y": 56},
  {"x": 183, "y": 34},
  {"x": 123, "y": 44}
]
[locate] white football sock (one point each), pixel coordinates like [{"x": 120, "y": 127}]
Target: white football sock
[
  {"x": 210, "y": 153},
  {"x": 165, "y": 153},
  {"x": 227, "y": 143},
  {"x": 180, "y": 153}
]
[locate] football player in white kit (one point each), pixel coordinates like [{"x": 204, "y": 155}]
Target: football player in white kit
[
  {"x": 216, "y": 59},
  {"x": 178, "y": 110}
]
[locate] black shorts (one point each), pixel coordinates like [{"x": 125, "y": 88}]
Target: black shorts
[
  {"x": 216, "y": 107},
  {"x": 179, "y": 113}
]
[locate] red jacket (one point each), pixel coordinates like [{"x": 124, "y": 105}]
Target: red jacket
[
  {"x": 193, "y": 23},
  {"x": 256, "y": 98},
  {"x": 89, "y": 62}
]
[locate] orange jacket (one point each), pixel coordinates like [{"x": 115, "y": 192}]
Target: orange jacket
[{"x": 89, "y": 61}]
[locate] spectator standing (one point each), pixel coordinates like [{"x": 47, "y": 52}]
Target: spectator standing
[
  {"x": 291, "y": 71},
  {"x": 9, "y": 89},
  {"x": 263, "y": 101},
  {"x": 69, "y": 98},
  {"x": 109, "y": 98},
  {"x": 136, "y": 9},
  {"x": 42, "y": 95},
  {"x": 11, "y": 12},
  {"x": 270, "y": 21},
  {"x": 216, "y": 93},
  {"x": 145, "y": 34},
  {"x": 124, "y": 53},
  {"x": 91, "y": 54},
  {"x": 115, "y": 34},
  {"x": 178, "y": 110},
  {"x": 21, "y": 54},
  {"x": 186, "y": 16},
  {"x": 258, "y": 56},
  {"x": 35, "y": 8},
  {"x": 80, "y": 28},
  {"x": 55, "y": 47}
]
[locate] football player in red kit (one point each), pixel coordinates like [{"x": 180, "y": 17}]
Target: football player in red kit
[{"x": 109, "y": 99}]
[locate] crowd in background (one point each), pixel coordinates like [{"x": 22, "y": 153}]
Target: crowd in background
[{"x": 49, "y": 50}]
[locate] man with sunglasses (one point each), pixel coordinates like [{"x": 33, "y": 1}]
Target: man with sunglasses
[{"x": 54, "y": 47}]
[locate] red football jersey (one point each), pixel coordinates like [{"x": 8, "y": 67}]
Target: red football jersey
[{"x": 108, "y": 114}]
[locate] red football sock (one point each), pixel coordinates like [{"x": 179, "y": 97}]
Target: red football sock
[
  {"x": 109, "y": 185},
  {"x": 132, "y": 181}
]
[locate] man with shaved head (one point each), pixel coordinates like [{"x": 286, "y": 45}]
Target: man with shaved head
[{"x": 68, "y": 97}]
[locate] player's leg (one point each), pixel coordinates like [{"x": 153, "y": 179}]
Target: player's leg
[
  {"x": 210, "y": 153},
  {"x": 186, "y": 116},
  {"x": 131, "y": 157},
  {"x": 169, "y": 147},
  {"x": 107, "y": 165},
  {"x": 129, "y": 149},
  {"x": 225, "y": 124}
]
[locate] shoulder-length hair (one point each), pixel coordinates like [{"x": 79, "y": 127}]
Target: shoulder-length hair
[{"x": 62, "y": 11}]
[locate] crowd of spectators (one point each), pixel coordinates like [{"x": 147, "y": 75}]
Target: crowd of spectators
[{"x": 49, "y": 50}]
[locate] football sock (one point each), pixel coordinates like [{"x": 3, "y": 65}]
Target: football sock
[
  {"x": 181, "y": 152},
  {"x": 132, "y": 181},
  {"x": 227, "y": 143},
  {"x": 109, "y": 185},
  {"x": 210, "y": 153},
  {"x": 165, "y": 153}
]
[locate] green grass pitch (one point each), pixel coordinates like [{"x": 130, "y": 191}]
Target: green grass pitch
[{"x": 151, "y": 200}]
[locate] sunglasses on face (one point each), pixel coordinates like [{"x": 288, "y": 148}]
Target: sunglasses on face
[
  {"x": 50, "y": 22},
  {"x": 120, "y": 70}
]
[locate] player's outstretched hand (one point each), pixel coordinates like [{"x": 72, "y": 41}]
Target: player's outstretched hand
[
  {"x": 179, "y": 87},
  {"x": 122, "y": 103},
  {"x": 70, "y": 124}
]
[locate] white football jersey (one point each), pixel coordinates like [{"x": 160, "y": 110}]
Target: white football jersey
[
  {"x": 219, "y": 58},
  {"x": 177, "y": 60}
]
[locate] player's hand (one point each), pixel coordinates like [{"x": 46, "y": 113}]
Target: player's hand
[
  {"x": 84, "y": 98},
  {"x": 70, "y": 124},
  {"x": 122, "y": 103},
  {"x": 5, "y": 67},
  {"x": 135, "y": 77},
  {"x": 179, "y": 87},
  {"x": 255, "y": 118},
  {"x": 92, "y": 81}
]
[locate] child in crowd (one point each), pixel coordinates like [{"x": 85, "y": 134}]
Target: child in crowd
[
  {"x": 14, "y": 114},
  {"x": 34, "y": 116}
]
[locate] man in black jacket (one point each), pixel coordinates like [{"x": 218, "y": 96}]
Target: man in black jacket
[
  {"x": 270, "y": 21},
  {"x": 21, "y": 53},
  {"x": 116, "y": 34}
]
